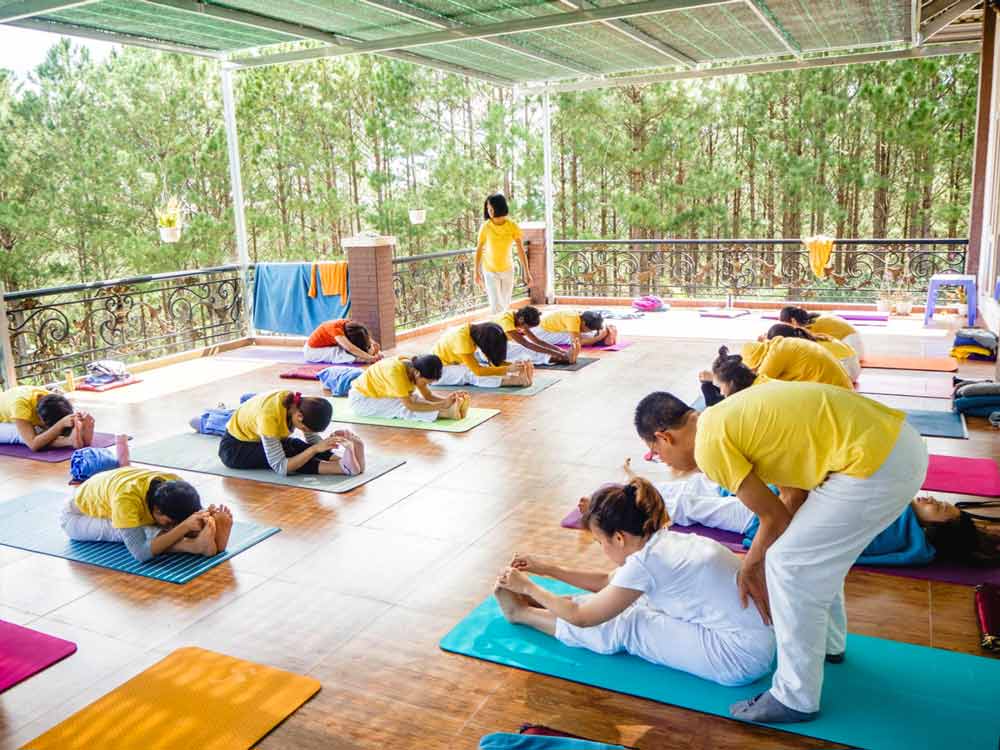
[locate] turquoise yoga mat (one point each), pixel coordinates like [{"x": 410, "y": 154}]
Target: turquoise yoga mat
[
  {"x": 885, "y": 695},
  {"x": 31, "y": 523},
  {"x": 946, "y": 424},
  {"x": 539, "y": 384}
]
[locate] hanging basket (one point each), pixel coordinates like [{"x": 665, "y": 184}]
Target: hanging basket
[
  {"x": 170, "y": 234},
  {"x": 418, "y": 215}
]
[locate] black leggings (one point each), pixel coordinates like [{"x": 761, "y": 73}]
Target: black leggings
[{"x": 239, "y": 454}]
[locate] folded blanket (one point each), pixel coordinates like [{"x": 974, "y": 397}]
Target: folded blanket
[
  {"x": 972, "y": 352},
  {"x": 85, "y": 462},
  {"x": 338, "y": 378},
  {"x": 980, "y": 336}
]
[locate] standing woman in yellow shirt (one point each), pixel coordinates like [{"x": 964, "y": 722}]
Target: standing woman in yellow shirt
[
  {"x": 843, "y": 353},
  {"x": 494, "y": 268},
  {"x": 831, "y": 325},
  {"x": 846, "y": 467},
  {"x": 40, "y": 419}
]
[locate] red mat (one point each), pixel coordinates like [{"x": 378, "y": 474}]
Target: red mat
[
  {"x": 905, "y": 384},
  {"x": 965, "y": 476},
  {"x": 927, "y": 364},
  {"x": 304, "y": 372},
  {"x": 24, "y": 652},
  {"x": 81, "y": 386}
]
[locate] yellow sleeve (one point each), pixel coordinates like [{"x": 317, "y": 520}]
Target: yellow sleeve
[
  {"x": 772, "y": 365},
  {"x": 24, "y": 408},
  {"x": 399, "y": 383},
  {"x": 482, "y": 235},
  {"x": 515, "y": 230},
  {"x": 470, "y": 361},
  {"x": 125, "y": 509}
]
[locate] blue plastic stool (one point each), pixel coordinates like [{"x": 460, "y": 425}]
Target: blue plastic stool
[{"x": 938, "y": 280}]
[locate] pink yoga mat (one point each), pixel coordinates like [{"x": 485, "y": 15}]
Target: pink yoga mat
[
  {"x": 54, "y": 455},
  {"x": 304, "y": 372},
  {"x": 617, "y": 347},
  {"x": 965, "y": 476},
  {"x": 24, "y": 652}
]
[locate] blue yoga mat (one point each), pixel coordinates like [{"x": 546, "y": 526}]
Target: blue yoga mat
[
  {"x": 885, "y": 696},
  {"x": 946, "y": 424},
  {"x": 31, "y": 523}
]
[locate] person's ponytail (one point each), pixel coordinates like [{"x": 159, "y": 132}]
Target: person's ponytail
[{"x": 635, "y": 508}]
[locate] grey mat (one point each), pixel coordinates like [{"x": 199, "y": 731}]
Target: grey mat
[
  {"x": 581, "y": 362},
  {"x": 540, "y": 383}
]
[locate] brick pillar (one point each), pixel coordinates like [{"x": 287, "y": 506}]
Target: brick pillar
[
  {"x": 534, "y": 245},
  {"x": 373, "y": 301}
]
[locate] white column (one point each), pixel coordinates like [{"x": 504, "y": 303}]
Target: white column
[
  {"x": 236, "y": 185},
  {"x": 7, "y": 371},
  {"x": 550, "y": 227}
]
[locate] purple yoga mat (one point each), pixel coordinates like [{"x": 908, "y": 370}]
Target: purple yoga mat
[
  {"x": 861, "y": 318},
  {"x": 54, "y": 455},
  {"x": 24, "y": 652},
  {"x": 265, "y": 354}
]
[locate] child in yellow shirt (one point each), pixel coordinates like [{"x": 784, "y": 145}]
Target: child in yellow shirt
[
  {"x": 572, "y": 328},
  {"x": 463, "y": 349},
  {"x": 522, "y": 343},
  {"x": 494, "y": 269},
  {"x": 386, "y": 390},
  {"x": 40, "y": 419}
]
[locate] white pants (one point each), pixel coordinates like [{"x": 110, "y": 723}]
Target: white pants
[
  {"x": 727, "y": 657},
  {"x": 386, "y": 408},
  {"x": 9, "y": 434},
  {"x": 518, "y": 353},
  {"x": 853, "y": 367},
  {"x": 499, "y": 289},
  {"x": 856, "y": 343},
  {"x": 462, "y": 375},
  {"x": 83, "y": 528},
  {"x": 333, "y": 355},
  {"x": 552, "y": 338},
  {"x": 807, "y": 565},
  {"x": 696, "y": 499}
]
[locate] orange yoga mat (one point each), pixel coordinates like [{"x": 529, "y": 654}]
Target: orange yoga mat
[
  {"x": 929, "y": 364},
  {"x": 191, "y": 699}
]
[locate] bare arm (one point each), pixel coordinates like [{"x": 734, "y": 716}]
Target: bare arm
[
  {"x": 604, "y": 605},
  {"x": 774, "y": 518},
  {"x": 479, "y": 263},
  {"x": 359, "y": 354},
  {"x": 470, "y": 361},
  {"x": 531, "y": 341},
  {"x": 528, "y": 279},
  {"x": 591, "y": 580},
  {"x": 52, "y": 437}
]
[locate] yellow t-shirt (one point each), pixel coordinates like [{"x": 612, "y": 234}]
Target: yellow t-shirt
[
  {"x": 794, "y": 435},
  {"x": 796, "y": 360},
  {"x": 455, "y": 343},
  {"x": 566, "y": 321},
  {"x": 838, "y": 349},
  {"x": 496, "y": 240},
  {"x": 262, "y": 416},
  {"x": 22, "y": 403},
  {"x": 120, "y": 495},
  {"x": 505, "y": 320},
  {"x": 832, "y": 325},
  {"x": 387, "y": 378}
]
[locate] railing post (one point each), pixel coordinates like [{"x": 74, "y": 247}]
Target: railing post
[
  {"x": 373, "y": 299},
  {"x": 550, "y": 274},
  {"x": 7, "y": 371},
  {"x": 533, "y": 233}
]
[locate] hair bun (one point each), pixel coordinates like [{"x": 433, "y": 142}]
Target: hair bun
[
  {"x": 630, "y": 491},
  {"x": 723, "y": 351}
]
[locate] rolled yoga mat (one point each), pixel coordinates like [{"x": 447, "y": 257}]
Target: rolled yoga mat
[
  {"x": 25, "y": 652},
  {"x": 304, "y": 372},
  {"x": 886, "y": 695},
  {"x": 964, "y": 476},
  {"x": 927, "y": 364},
  {"x": 342, "y": 413},
  {"x": 54, "y": 455},
  {"x": 193, "y": 698},
  {"x": 580, "y": 363},
  {"x": 944, "y": 424},
  {"x": 904, "y": 384},
  {"x": 194, "y": 452},
  {"x": 539, "y": 384}
]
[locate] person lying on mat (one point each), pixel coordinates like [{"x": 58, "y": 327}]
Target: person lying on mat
[
  {"x": 795, "y": 359},
  {"x": 259, "y": 436},
  {"x": 341, "y": 341},
  {"x": 151, "y": 512},
  {"x": 397, "y": 388},
  {"x": 672, "y": 601},
  {"x": 843, "y": 353},
  {"x": 846, "y": 467},
  {"x": 458, "y": 348},
  {"x": 574, "y": 329},
  {"x": 831, "y": 325},
  {"x": 40, "y": 419},
  {"x": 522, "y": 343}
]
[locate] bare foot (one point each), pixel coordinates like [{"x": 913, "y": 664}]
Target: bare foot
[
  {"x": 463, "y": 406},
  {"x": 223, "y": 518},
  {"x": 359, "y": 446},
  {"x": 584, "y": 505},
  {"x": 627, "y": 468},
  {"x": 452, "y": 411},
  {"x": 204, "y": 543},
  {"x": 509, "y": 604},
  {"x": 87, "y": 422},
  {"x": 77, "y": 434}
]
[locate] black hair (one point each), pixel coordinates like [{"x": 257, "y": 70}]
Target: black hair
[
  {"x": 175, "y": 498},
  {"x": 357, "y": 334},
  {"x": 798, "y": 315},
  {"x": 971, "y": 539},
  {"x": 529, "y": 316},
  {"x": 657, "y": 412},
  {"x": 52, "y": 408},
  {"x": 316, "y": 412},
  {"x": 491, "y": 341},
  {"x": 593, "y": 321},
  {"x": 730, "y": 369},
  {"x": 428, "y": 366},
  {"x": 635, "y": 508},
  {"x": 790, "y": 332},
  {"x": 499, "y": 203}
]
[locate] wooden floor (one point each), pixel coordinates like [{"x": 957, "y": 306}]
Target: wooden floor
[{"x": 357, "y": 589}]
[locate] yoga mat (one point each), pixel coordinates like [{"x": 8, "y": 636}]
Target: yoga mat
[
  {"x": 855, "y": 319},
  {"x": 25, "y": 652},
  {"x": 265, "y": 353},
  {"x": 31, "y": 522},
  {"x": 945, "y": 424},
  {"x": 708, "y": 312},
  {"x": 965, "y": 476},
  {"x": 83, "y": 386},
  {"x": 581, "y": 362},
  {"x": 342, "y": 413},
  {"x": 539, "y": 384},
  {"x": 885, "y": 696},
  {"x": 616, "y": 347},
  {"x": 304, "y": 372},
  {"x": 904, "y": 384},
  {"x": 927, "y": 364},
  {"x": 194, "y": 452},
  {"x": 875, "y": 317},
  {"x": 193, "y": 698},
  {"x": 54, "y": 455}
]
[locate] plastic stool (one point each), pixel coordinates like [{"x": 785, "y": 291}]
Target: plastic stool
[{"x": 938, "y": 280}]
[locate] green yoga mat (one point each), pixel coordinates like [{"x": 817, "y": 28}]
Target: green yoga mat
[
  {"x": 193, "y": 452},
  {"x": 539, "y": 384},
  {"x": 885, "y": 696},
  {"x": 946, "y": 424},
  {"x": 31, "y": 523},
  {"x": 580, "y": 363},
  {"x": 342, "y": 413}
]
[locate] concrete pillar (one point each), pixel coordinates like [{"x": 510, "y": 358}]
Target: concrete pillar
[
  {"x": 370, "y": 271},
  {"x": 534, "y": 238}
]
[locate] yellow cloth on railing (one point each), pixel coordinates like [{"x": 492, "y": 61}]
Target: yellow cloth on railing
[
  {"x": 332, "y": 279},
  {"x": 820, "y": 248}
]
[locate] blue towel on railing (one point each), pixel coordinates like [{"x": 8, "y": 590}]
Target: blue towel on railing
[
  {"x": 281, "y": 301},
  {"x": 85, "y": 462},
  {"x": 338, "y": 378}
]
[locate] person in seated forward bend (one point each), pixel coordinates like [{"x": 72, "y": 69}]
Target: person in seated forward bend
[
  {"x": 259, "y": 436},
  {"x": 795, "y": 359},
  {"x": 40, "y": 419},
  {"x": 457, "y": 349},
  {"x": 841, "y": 352},
  {"x": 389, "y": 389},
  {"x": 522, "y": 343},
  {"x": 341, "y": 341},
  {"x": 831, "y": 325},
  {"x": 151, "y": 512},
  {"x": 846, "y": 467},
  {"x": 672, "y": 601},
  {"x": 574, "y": 329}
]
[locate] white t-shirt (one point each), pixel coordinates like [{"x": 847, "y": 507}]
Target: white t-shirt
[
  {"x": 696, "y": 499},
  {"x": 689, "y": 578}
]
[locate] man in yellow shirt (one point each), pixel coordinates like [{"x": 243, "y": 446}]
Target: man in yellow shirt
[
  {"x": 846, "y": 467},
  {"x": 494, "y": 268}
]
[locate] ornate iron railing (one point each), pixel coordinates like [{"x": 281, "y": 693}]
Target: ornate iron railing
[
  {"x": 860, "y": 270},
  {"x": 64, "y": 328},
  {"x": 438, "y": 286}
]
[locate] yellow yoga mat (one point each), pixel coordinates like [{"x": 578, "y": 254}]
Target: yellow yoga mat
[{"x": 191, "y": 699}]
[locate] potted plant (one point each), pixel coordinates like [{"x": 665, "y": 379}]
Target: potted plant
[{"x": 168, "y": 219}]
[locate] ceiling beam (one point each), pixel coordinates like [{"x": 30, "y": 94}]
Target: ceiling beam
[
  {"x": 756, "y": 68},
  {"x": 937, "y": 24},
  {"x": 767, "y": 17},
  {"x": 486, "y": 31},
  {"x": 25, "y": 9},
  {"x": 84, "y": 32}
]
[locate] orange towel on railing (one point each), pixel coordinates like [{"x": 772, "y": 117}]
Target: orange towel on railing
[
  {"x": 332, "y": 279},
  {"x": 820, "y": 247}
]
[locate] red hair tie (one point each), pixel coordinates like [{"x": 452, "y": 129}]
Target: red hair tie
[{"x": 296, "y": 398}]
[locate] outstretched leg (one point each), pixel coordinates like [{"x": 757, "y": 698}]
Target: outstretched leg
[{"x": 517, "y": 611}]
